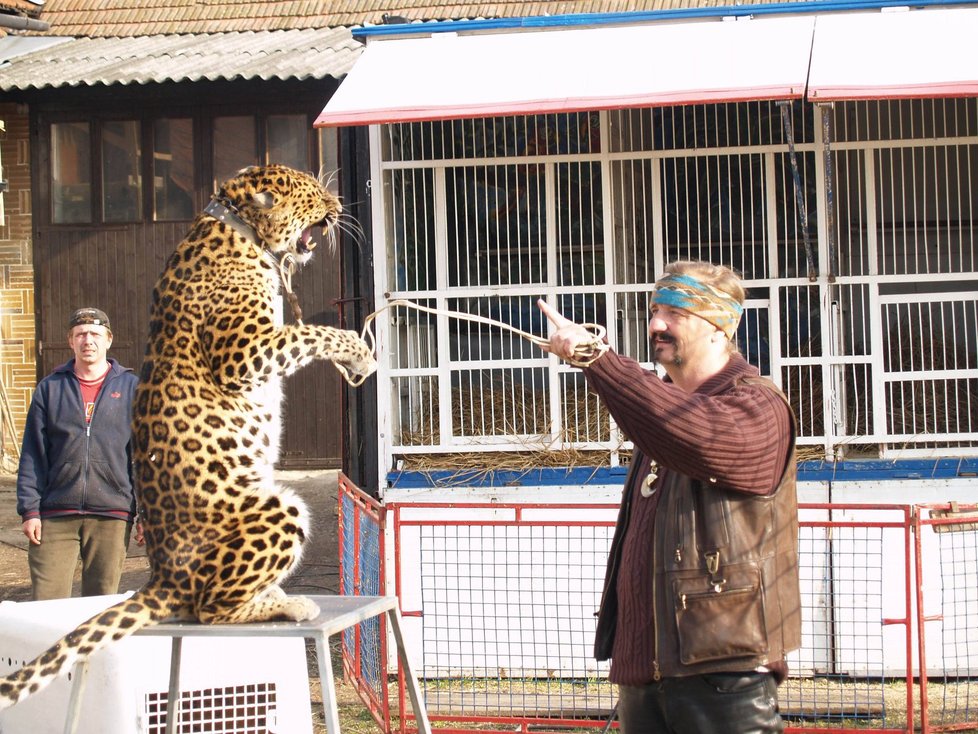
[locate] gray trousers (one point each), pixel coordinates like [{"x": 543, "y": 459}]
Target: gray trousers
[
  {"x": 712, "y": 703},
  {"x": 100, "y": 543}
]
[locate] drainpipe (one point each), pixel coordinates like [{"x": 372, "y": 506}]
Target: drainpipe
[{"x": 20, "y": 23}]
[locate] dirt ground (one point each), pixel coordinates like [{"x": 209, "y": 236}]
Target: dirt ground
[{"x": 319, "y": 574}]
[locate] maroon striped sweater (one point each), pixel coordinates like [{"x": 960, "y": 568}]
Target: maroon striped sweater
[{"x": 738, "y": 435}]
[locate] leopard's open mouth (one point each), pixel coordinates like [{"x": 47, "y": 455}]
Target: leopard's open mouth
[{"x": 306, "y": 243}]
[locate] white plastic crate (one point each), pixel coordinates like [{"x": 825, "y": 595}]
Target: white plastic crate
[{"x": 227, "y": 686}]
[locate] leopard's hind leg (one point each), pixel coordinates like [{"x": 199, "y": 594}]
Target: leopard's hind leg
[
  {"x": 250, "y": 562},
  {"x": 270, "y": 604}
]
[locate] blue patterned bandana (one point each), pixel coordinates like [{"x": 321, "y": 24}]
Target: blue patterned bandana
[{"x": 686, "y": 292}]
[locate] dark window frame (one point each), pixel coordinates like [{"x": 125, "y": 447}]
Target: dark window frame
[{"x": 202, "y": 118}]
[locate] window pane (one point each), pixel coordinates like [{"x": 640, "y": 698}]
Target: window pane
[
  {"x": 121, "y": 182},
  {"x": 234, "y": 146},
  {"x": 173, "y": 169},
  {"x": 287, "y": 141},
  {"x": 71, "y": 173}
]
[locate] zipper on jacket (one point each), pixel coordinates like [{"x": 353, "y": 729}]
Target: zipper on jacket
[
  {"x": 682, "y": 521},
  {"x": 88, "y": 442},
  {"x": 88, "y": 431},
  {"x": 88, "y": 460}
]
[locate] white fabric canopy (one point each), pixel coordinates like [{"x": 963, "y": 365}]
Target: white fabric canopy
[
  {"x": 835, "y": 56},
  {"x": 449, "y": 76},
  {"x": 889, "y": 55}
]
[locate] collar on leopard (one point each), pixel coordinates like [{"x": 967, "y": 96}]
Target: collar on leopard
[
  {"x": 229, "y": 216},
  {"x": 286, "y": 265}
]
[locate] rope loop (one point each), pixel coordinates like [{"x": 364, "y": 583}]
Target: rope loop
[
  {"x": 286, "y": 269},
  {"x": 584, "y": 355}
]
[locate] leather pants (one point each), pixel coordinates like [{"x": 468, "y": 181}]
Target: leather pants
[{"x": 712, "y": 703}]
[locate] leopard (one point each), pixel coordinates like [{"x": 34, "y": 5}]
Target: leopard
[{"x": 221, "y": 533}]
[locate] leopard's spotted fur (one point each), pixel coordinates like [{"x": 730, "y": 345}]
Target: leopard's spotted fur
[{"x": 220, "y": 534}]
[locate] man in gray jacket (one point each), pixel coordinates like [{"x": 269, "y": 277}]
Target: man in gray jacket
[{"x": 74, "y": 484}]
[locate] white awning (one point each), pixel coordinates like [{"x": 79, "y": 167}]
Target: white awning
[
  {"x": 889, "y": 55},
  {"x": 449, "y": 76}
]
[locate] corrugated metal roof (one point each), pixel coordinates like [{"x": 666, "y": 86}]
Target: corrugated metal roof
[
  {"x": 13, "y": 46},
  {"x": 288, "y": 54}
]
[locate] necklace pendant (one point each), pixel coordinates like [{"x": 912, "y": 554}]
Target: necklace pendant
[{"x": 647, "y": 489}]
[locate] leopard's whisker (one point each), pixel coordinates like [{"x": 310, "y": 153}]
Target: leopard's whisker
[{"x": 351, "y": 227}]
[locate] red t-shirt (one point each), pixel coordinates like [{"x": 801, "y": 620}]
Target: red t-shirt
[{"x": 90, "y": 390}]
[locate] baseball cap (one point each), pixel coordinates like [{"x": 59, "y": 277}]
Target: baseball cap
[{"x": 89, "y": 316}]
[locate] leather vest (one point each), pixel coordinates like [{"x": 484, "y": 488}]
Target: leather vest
[{"x": 726, "y": 592}]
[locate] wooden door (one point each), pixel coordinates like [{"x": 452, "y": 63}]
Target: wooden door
[{"x": 115, "y": 269}]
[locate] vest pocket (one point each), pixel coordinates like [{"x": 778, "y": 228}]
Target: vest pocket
[{"x": 724, "y": 624}]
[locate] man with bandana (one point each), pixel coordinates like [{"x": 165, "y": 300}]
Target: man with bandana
[
  {"x": 701, "y": 601},
  {"x": 74, "y": 484}
]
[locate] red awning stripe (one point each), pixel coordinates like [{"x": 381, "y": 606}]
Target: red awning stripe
[{"x": 543, "y": 106}]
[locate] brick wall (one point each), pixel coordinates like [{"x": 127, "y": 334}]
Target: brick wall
[{"x": 17, "y": 337}]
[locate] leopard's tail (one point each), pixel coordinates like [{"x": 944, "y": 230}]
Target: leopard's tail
[{"x": 147, "y": 606}]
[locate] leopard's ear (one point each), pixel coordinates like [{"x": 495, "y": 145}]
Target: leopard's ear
[{"x": 263, "y": 199}]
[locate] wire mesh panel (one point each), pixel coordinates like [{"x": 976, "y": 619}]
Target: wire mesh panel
[
  {"x": 852, "y": 666},
  {"x": 508, "y": 620},
  {"x": 948, "y": 596},
  {"x": 507, "y": 596},
  {"x": 521, "y": 598},
  {"x": 361, "y": 574}
]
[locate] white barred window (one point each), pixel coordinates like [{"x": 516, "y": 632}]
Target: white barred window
[{"x": 854, "y": 226}]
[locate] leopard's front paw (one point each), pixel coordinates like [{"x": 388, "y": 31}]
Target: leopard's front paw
[{"x": 355, "y": 356}]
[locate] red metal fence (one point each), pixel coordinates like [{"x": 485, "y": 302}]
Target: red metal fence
[
  {"x": 499, "y": 602},
  {"x": 361, "y": 537},
  {"x": 946, "y": 556}
]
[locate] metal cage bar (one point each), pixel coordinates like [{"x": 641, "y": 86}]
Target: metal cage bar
[{"x": 488, "y": 215}]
